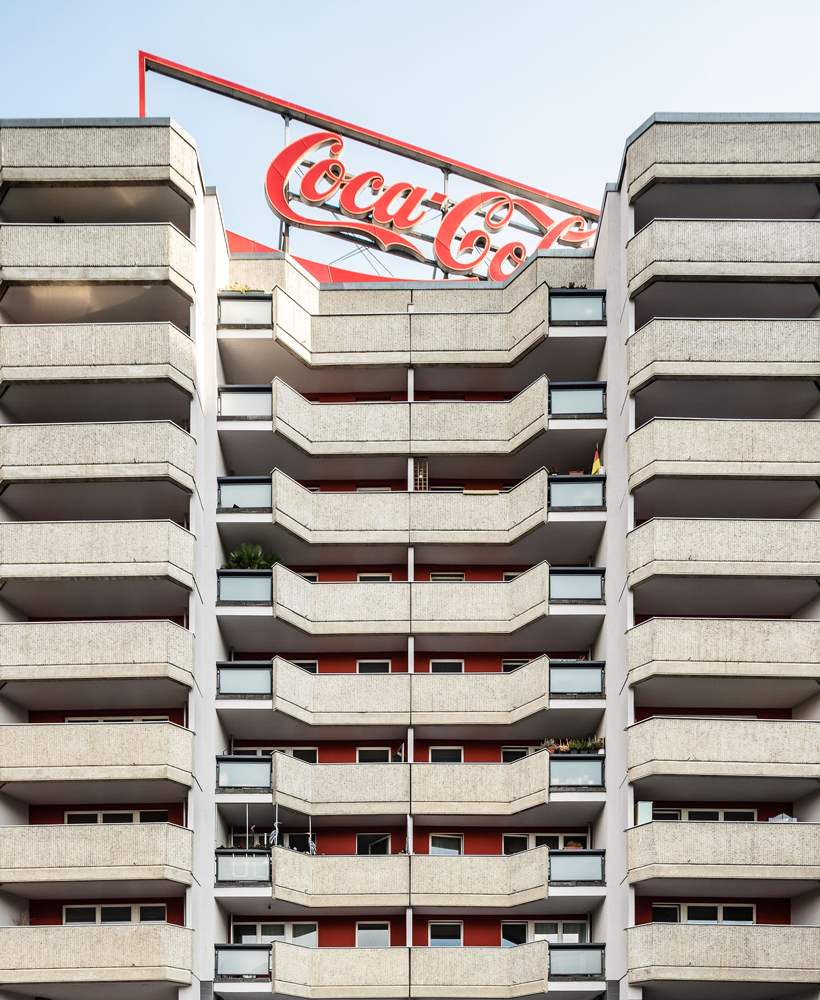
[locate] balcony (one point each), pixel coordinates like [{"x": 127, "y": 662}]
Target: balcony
[
  {"x": 526, "y": 971},
  {"x": 96, "y": 762},
  {"x": 723, "y": 567},
  {"x": 53, "y": 470},
  {"x": 736, "y": 663},
  {"x": 669, "y": 349},
  {"x": 114, "y": 254},
  {"x": 723, "y": 859},
  {"x": 322, "y": 881},
  {"x": 55, "y": 665},
  {"x": 84, "y": 569},
  {"x": 65, "y": 153},
  {"x": 540, "y": 787},
  {"x": 714, "y": 962},
  {"x": 69, "y": 962},
  {"x": 77, "y": 862},
  {"x": 709, "y": 759},
  {"x": 723, "y": 250}
]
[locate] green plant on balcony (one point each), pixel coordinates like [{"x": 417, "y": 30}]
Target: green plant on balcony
[{"x": 250, "y": 556}]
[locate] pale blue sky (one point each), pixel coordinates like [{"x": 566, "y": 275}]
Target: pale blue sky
[{"x": 545, "y": 92}]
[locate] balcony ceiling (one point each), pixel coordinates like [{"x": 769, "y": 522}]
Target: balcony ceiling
[
  {"x": 69, "y": 303},
  {"x": 78, "y": 401},
  {"x": 103, "y": 500},
  {"x": 717, "y": 497},
  {"x": 753, "y": 399},
  {"x": 723, "y": 597}
]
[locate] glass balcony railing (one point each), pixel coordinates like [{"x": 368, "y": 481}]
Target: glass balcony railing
[
  {"x": 574, "y": 867},
  {"x": 235, "y": 867},
  {"x": 244, "y": 493},
  {"x": 577, "y": 492},
  {"x": 577, "y": 399},
  {"x": 243, "y": 961},
  {"x": 237, "y": 772},
  {"x": 245, "y": 402},
  {"x": 243, "y": 679},
  {"x": 577, "y": 772},
  {"x": 570, "y": 679},
  {"x": 576, "y": 961},
  {"x": 577, "y": 308},
  {"x": 244, "y": 586},
  {"x": 243, "y": 309},
  {"x": 577, "y": 586}
]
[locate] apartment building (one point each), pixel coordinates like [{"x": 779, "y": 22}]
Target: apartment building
[{"x": 472, "y": 721}]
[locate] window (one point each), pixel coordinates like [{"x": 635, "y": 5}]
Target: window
[
  {"x": 706, "y": 815},
  {"x": 509, "y": 575},
  {"x": 444, "y": 935},
  {"x": 446, "y": 666},
  {"x": 576, "y": 307},
  {"x": 702, "y": 913},
  {"x": 137, "y": 816},
  {"x": 510, "y": 754},
  {"x": 311, "y": 666},
  {"x": 305, "y": 843},
  {"x": 560, "y": 931},
  {"x": 305, "y": 935},
  {"x": 446, "y": 755},
  {"x": 373, "y": 755},
  {"x": 447, "y": 844},
  {"x": 446, "y": 578},
  {"x": 116, "y": 718},
  {"x": 310, "y": 755},
  {"x": 373, "y": 666},
  {"x": 513, "y": 934},
  {"x": 446, "y": 489},
  {"x": 310, "y": 577},
  {"x": 245, "y": 309},
  {"x": 373, "y": 489},
  {"x": 507, "y": 666},
  {"x": 373, "y": 843},
  {"x": 372, "y": 935},
  {"x": 515, "y": 843},
  {"x": 375, "y": 577},
  {"x": 115, "y": 913}
]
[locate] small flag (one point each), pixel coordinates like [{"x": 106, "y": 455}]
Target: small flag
[{"x": 596, "y": 462}]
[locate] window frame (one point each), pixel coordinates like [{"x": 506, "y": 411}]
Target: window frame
[
  {"x": 387, "y": 836},
  {"x": 374, "y": 577},
  {"x": 302, "y": 665},
  {"x": 387, "y": 750},
  {"x": 375, "y": 923},
  {"x": 432, "y": 748},
  {"x": 98, "y": 907},
  {"x": 310, "y": 577},
  {"x": 513, "y": 659},
  {"x": 104, "y": 720},
  {"x": 532, "y": 835},
  {"x": 288, "y": 925},
  {"x": 457, "y": 576},
  {"x": 508, "y": 575},
  {"x": 452, "y": 836},
  {"x": 528, "y": 750},
  {"x": 685, "y": 810},
  {"x": 372, "y": 673},
  {"x": 441, "y": 659},
  {"x": 449, "y": 923},
  {"x": 707, "y": 902},
  {"x": 134, "y": 813}
]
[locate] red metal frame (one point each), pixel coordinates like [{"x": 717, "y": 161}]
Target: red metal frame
[{"x": 275, "y": 104}]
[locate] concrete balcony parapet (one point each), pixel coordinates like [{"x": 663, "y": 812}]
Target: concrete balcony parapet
[
  {"x": 82, "y": 550},
  {"x": 414, "y": 518},
  {"x": 341, "y": 789},
  {"x": 723, "y": 249},
  {"x": 128, "y": 352},
  {"x": 103, "y": 755},
  {"x": 369, "y": 973},
  {"x": 723, "y": 348},
  {"x": 712, "y": 547},
  {"x": 151, "y": 151},
  {"x": 442, "y": 427},
  {"x": 709, "y": 647},
  {"x": 334, "y": 880},
  {"x": 49, "y": 958},
  {"x": 773, "y": 851},
  {"x": 692, "y": 953},
  {"x": 483, "y": 972},
  {"x": 87, "y": 452},
  {"x": 55, "y": 854},
  {"x": 710, "y": 746},
  {"x": 481, "y": 789},
  {"x": 701, "y": 151},
  {"x": 707, "y": 448},
  {"x": 146, "y": 253},
  {"x": 504, "y": 881}
]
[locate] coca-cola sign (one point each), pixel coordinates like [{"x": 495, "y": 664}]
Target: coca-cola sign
[{"x": 389, "y": 214}]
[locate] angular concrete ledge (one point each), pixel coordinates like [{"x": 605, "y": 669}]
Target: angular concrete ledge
[
  {"x": 703, "y": 151},
  {"x": 340, "y": 789},
  {"x": 60, "y": 651},
  {"x": 689, "y": 547},
  {"x": 497, "y": 428},
  {"x": 723, "y": 348},
  {"x": 709, "y": 647},
  {"x": 707, "y": 448},
  {"x": 505, "y": 881},
  {"x": 127, "y": 352},
  {"x": 334, "y": 880},
  {"x": 53, "y": 854},
  {"x": 481, "y": 789},
  {"x": 71, "y": 154},
  {"x": 146, "y": 953},
  {"x": 484, "y": 972},
  {"x": 690, "y": 953},
  {"x": 147, "y": 253},
  {"x": 722, "y": 249},
  {"x": 757, "y": 748},
  {"x": 124, "y": 452},
  {"x": 789, "y": 851}
]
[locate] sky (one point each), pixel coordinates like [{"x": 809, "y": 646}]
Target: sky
[{"x": 543, "y": 92}]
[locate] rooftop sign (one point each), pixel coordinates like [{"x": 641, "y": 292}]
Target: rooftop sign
[{"x": 308, "y": 186}]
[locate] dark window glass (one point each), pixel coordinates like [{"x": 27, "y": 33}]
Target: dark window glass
[
  {"x": 374, "y": 667},
  {"x": 515, "y": 844},
  {"x": 513, "y": 934},
  {"x": 310, "y": 755},
  {"x": 446, "y": 667},
  {"x": 446, "y": 755},
  {"x": 148, "y": 913},
  {"x": 81, "y": 818},
  {"x": 665, "y": 814},
  {"x": 118, "y": 817},
  {"x": 374, "y": 755},
  {"x": 737, "y": 914},
  {"x": 300, "y": 842},
  {"x": 665, "y": 915},
  {"x": 372, "y": 843},
  {"x": 704, "y": 815},
  {"x": 445, "y": 935},
  {"x": 154, "y": 816},
  {"x": 81, "y": 914},
  {"x": 115, "y": 914},
  {"x": 547, "y": 840},
  {"x": 509, "y": 754},
  {"x": 738, "y": 816},
  {"x": 701, "y": 914},
  {"x": 246, "y": 933}
]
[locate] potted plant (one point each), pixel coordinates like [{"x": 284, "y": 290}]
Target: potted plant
[{"x": 250, "y": 556}]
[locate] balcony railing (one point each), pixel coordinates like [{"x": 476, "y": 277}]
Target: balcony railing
[
  {"x": 571, "y": 679},
  {"x": 576, "y": 772},
  {"x": 245, "y": 310},
  {"x": 243, "y": 867},
  {"x": 576, "y": 867},
  {"x": 577, "y": 586},
  {"x": 576, "y": 961},
  {"x": 245, "y": 402},
  {"x": 244, "y": 679},
  {"x": 249, "y": 493},
  {"x": 572, "y": 307},
  {"x": 242, "y": 962},
  {"x": 577, "y": 400},
  {"x": 244, "y": 586},
  {"x": 237, "y": 772},
  {"x": 577, "y": 493}
]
